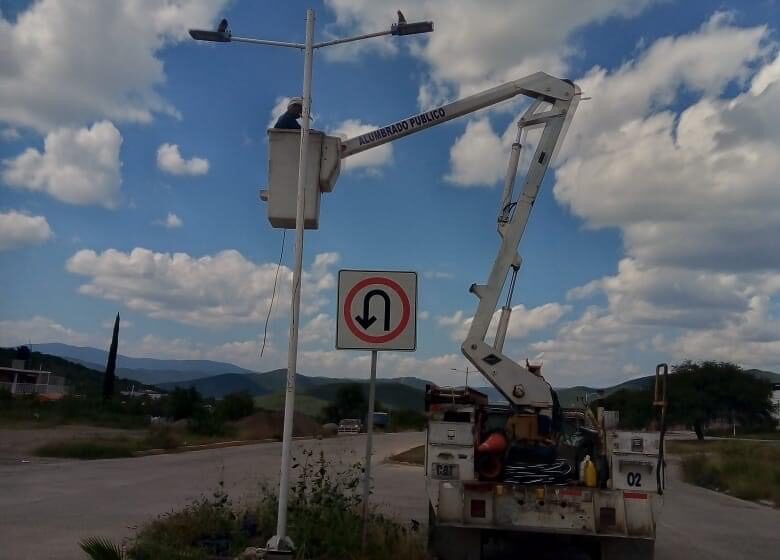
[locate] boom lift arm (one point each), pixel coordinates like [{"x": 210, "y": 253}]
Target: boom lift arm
[
  {"x": 520, "y": 386},
  {"x": 554, "y": 103}
]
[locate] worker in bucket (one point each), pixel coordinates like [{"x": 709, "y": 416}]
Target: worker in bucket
[{"x": 289, "y": 120}]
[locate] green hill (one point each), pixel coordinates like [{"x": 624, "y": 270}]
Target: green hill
[
  {"x": 311, "y": 406},
  {"x": 276, "y": 380},
  {"x": 256, "y": 384},
  {"x": 395, "y": 396},
  {"x": 218, "y": 386},
  {"x": 771, "y": 376},
  {"x": 398, "y": 393},
  {"x": 81, "y": 379}
]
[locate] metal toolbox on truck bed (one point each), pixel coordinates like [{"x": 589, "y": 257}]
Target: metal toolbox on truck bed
[
  {"x": 634, "y": 471},
  {"x": 450, "y": 433},
  {"x": 633, "y": 442},
  {"x": 450, "y": 462}
]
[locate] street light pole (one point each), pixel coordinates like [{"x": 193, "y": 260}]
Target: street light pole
[{"x": 281, "y": 542}]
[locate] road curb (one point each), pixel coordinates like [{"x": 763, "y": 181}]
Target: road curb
[{"x": 215, "y": 445}]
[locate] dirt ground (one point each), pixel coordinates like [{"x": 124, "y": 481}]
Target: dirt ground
[
  {"x": 266, "y": 424},
  {"x": 17, "y": 445}
]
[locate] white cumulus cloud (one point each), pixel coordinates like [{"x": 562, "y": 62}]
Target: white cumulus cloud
[
  {"x": 213, "y": 290},
  {"x": 320, "y": 328},
  {"x": 477, "y": 44},
  {"x": 478, "y": 157},
  {"x": 76, "y": 166},
  {"x": 14, "y": 332},
  {"x": 71, "y": 62},
  {"x": 279, "y": 108},
  {"x": 171, "y": 221},
  {"x": 370, "y": 160},
  {"x": 19, "y": 230},
  {"x": 170, "y": 161},
  {"x": 692, "y": 188},
  {"x": 521, "y": 322}
]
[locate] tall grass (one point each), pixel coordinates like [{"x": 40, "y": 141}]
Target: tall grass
[{"x": 747, "y": 470}]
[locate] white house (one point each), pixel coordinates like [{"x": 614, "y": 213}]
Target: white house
[{"x": 21, "y": 381}]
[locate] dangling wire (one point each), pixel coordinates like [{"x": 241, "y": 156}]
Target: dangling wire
[{"x": 273, "y": 293}]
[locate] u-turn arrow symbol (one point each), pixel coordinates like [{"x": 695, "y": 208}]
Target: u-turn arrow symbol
[{"x": 365, "y": 321}]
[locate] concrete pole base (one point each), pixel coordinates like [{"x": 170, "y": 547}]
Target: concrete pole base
[{"x": 280, "y": 548}]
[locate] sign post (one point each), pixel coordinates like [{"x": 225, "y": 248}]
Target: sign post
[
  {"x": 377, "y": 310},
  {"x": 369, "y": 443}
]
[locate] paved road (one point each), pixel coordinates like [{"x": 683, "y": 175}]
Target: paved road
[{"x": 46, "y": 507}]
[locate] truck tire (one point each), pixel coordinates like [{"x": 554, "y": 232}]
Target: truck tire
[
  {"x": 627, "y": 549},
  {"x": 452, "y": 543}
]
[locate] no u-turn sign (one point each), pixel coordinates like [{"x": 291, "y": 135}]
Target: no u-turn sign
[{"x": 377, "y": 310}]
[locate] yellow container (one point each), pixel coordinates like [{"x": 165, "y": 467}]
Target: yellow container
[{"x": 590, "y": 474}]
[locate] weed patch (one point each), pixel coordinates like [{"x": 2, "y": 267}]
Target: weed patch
[
  {"x": 162, "y": 437},
  {"x": 324, "y": 522},
  {"x": 88, "y": 449},
  {"x": 747, "y": 470}
]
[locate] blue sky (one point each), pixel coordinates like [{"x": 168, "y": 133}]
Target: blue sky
[{"x": 132, "y": 159}]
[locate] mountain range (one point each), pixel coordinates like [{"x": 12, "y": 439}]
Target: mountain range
[
  {"x": 405, "y": 392},
  {"x": 216, "y": 379},
  {"x": 145, "y": 370}
]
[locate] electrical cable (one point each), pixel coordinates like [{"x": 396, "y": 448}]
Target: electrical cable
[{"x": 273, "y": 292}]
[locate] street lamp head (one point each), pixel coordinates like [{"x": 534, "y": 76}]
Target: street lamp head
[
  {"x": 404, "y": 28},
  {"x": 221, "y": 35}
]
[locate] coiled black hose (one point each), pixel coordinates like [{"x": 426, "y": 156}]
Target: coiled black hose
[{"x": 557, "y": 473}]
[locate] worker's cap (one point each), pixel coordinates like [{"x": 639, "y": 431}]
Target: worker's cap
[{"x": 295, "y": 101}]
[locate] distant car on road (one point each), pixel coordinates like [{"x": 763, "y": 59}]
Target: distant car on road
[{"x": 350, "y": 426}]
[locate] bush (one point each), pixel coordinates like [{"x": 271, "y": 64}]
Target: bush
[
  {"x": 182, "y": 403},
  {"x": 699, "y": 470},
  {"x": 208, "y": 527},
  {"x": 87, "y": 449},
  {"x": 236, "y": 406},
  {"x": 205, "y": 422},
  {"x": 401, "y": 420},
  {"x": 350, "y": 402},
  {"x": 161, "y": 437}
]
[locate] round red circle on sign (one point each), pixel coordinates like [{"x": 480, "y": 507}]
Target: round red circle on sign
[{"x": 405, "y": 310}]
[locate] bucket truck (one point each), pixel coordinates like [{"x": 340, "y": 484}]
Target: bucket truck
[{"x": 525, "y": 469}]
